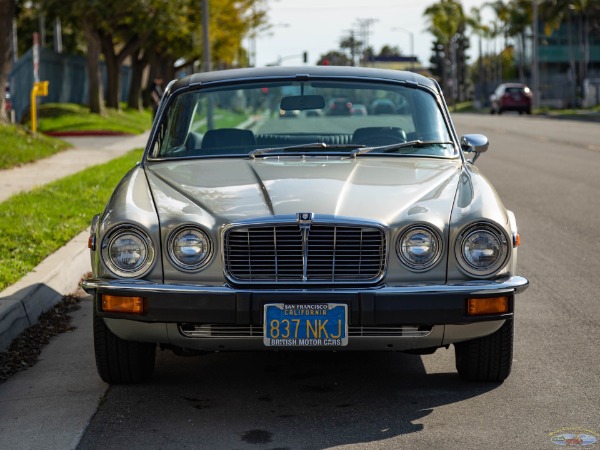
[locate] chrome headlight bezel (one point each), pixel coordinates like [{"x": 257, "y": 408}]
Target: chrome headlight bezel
[
  {"x": 145, "y": 242},
  {"x": 482, "y": 229},
  {"x": 402, "y": 247},
  {"x": 172, "y": 252}
]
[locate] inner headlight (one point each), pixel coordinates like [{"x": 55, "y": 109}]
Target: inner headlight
[
  {"x": 189, "y": 248},
  {"x": 419, "y": 248},
  {"x": 128, "y": 252},
  {"x": 482, "y": 249}
]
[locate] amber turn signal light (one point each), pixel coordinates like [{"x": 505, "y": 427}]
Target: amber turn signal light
[
  {"x": 491, "y": 305},
  {"x": 119, "y": 304}
]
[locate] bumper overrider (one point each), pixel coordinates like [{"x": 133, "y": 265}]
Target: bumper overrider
[{"x": 386, "y": 318}]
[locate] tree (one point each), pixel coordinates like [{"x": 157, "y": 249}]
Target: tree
[
  {"x": 447, "y": 22},
  {"x": 155, "y": 32},
  {"x": 7, "y": 12},
  {"x": 520, "y": 18},
  {"x": 352, "y": 45},
  {"x": 387, "y": 51},
  {"x": 334, "y": 58}
]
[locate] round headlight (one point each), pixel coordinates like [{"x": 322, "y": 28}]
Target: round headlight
[
  {"x": 419, "y": 248},
  {"x": 189, "y": 248},
  {"x": 128, "y": 252},
  {"x": 482, "y": 249}
]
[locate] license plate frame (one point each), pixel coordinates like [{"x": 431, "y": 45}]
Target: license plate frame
[{"x": 305, "y": 325}]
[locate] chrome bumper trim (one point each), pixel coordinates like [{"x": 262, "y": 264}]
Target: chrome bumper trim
[
  {"x": 209, "y": 331},
  {"x": 514, "y": 284}
]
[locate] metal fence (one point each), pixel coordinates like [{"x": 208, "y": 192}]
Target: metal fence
[{"x": 67, "y": 76}]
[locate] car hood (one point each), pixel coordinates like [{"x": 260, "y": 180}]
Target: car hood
[{"x": 384, "y": 189}]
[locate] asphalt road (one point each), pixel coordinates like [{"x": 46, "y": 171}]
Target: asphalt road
[{"x": 547, "y": 172}]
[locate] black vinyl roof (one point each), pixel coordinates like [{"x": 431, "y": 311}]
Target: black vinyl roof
[{"x": 305, "y": 73}]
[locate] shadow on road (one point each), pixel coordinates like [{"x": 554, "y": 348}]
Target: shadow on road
[{"x": 275, "y": 400}]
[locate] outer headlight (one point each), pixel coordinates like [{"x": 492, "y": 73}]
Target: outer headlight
[
  {"x": 419, "y": 247},
  {"x": 189, "y": 248},
  {"x": 128, "y": 251},
  {"x": 481, "y": 249}
]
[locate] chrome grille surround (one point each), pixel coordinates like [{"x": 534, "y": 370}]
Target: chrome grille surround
[
  {"x": 296, "y": 251},
  {"x": 208, "y": 331}
]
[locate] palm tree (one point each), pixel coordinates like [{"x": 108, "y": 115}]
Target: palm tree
[
  {"x": 447, "y": 22},
  {"x": 520, "y": 18},
  {"x": 500, "y": 29},
  {"x": 482, "y": 31}
]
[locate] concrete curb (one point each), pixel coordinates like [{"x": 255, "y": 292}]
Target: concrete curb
[{"x": 22, "y": 303}]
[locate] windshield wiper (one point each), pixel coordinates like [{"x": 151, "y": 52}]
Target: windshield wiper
[
  {"x": 313, "y": 145},
  {"x": 399, "y": 145}
]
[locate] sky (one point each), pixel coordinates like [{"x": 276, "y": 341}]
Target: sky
[{"x": 316, "y": 26}]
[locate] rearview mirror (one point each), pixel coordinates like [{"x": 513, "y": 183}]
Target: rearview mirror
[{"x": 302, "y": 102}]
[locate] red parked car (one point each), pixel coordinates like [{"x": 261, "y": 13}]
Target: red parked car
[{"x": 511, "y": 97}]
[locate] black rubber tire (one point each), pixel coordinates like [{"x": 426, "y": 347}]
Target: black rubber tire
[
  {"x": 119, "y": 361},
  {"x": 488, "y": 358}
]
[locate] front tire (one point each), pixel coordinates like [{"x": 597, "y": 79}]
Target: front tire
[
  {"x": 119, "y": 361},
  {"x": 488, "y": 358}
]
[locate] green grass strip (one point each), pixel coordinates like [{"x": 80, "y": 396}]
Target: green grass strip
[
  {"x": 35, "y": 224},
  {"x": 68, "y": 117},
  {"x": 21, "y": 146}
]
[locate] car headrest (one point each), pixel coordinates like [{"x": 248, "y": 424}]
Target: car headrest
[
  {"x": 378, "y": 135},
  {"x": 229, "y": 138}
]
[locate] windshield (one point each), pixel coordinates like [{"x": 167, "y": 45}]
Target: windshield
[{"x": 271, "y": 118}]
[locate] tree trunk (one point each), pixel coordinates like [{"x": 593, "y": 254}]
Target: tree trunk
[
  {"x": 168, "y": 65},
  {"x": 114, "y": 61},
  {"x": 7, "y": 12},
  {"x": 93, "y": 66},
  {"x": 138, "y": 64},
  {"x": 113, "y": 72}
]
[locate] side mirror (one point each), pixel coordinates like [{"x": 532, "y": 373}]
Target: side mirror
[{"x": 474, "y": 143}]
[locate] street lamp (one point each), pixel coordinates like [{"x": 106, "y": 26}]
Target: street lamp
[{"x": 412, "y": 44}]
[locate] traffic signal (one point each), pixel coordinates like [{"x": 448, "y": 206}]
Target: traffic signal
[{"x": 305, "y": 57}]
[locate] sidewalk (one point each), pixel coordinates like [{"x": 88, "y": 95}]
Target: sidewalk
[{"x": 22, "y": 303}]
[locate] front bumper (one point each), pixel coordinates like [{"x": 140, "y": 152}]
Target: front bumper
[
  {"x": 380, "y": 317},
  {"x": 414, "y": 304}
]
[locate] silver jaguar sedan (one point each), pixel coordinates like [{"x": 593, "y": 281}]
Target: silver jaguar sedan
[{"x": 322, "y": 232}]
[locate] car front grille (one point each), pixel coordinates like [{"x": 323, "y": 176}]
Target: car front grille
[{"x": 290, "y": 253}]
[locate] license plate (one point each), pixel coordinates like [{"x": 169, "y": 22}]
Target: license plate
[{"x": 306, "y": 325}]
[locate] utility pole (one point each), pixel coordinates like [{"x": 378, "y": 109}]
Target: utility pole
[
  {"x": 364, "y": 26},
  {"x": 412, "y": 44},
  {"x": 207, "y": 64},
  {"x": 535, "y": 75}
]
